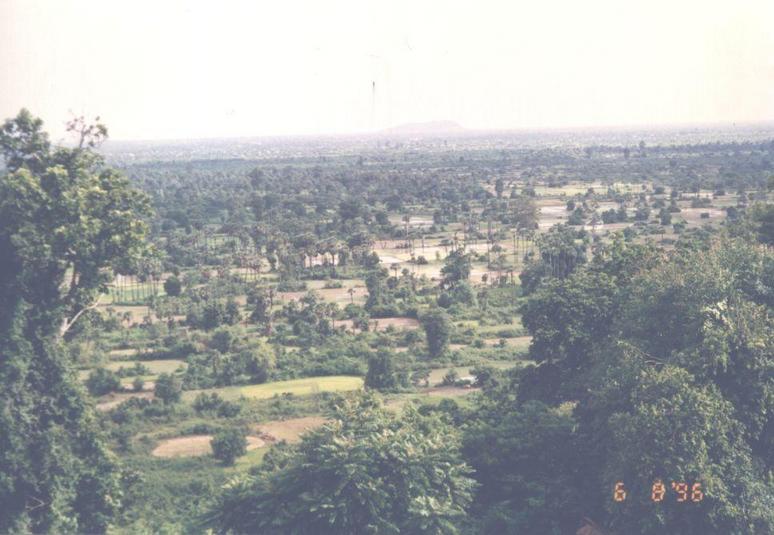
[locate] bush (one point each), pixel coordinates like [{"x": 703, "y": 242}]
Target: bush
[
  {"x": 172, "y": 286},
  {"x": 229, "y": 409},
  {"x": 137, "y": 369},
  {"x": 437, "y": 326},
  {"x": 169, "y": 388},
  {"x": 138, "y": 384},
  {"x": 451, "y": 378},
  {"x": 290, "y": 285},
  {"x": 229, "y": 444},
  {"x": 102, "y": 381},
  {"x": 381, "y": 373},
  {"x": 207, "y": 402}
]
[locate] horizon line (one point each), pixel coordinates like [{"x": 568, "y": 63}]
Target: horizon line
[{"x": 460, "y": 131}]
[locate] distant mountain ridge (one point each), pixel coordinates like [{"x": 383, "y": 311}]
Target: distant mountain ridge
[{"x": 429, "y": 127}]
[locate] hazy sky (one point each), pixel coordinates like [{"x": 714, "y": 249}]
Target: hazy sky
[{"x": 169, "y": 69}]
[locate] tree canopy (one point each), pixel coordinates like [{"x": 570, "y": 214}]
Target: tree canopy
[{"x": 66, "y": 224}]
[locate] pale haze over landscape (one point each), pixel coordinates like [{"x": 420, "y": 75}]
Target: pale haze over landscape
[
  {"x": 406, "y": 267},
  {"x": 156, "y": 70}
]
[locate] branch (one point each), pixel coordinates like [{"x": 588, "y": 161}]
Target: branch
[{"x": 66, "y": 324}]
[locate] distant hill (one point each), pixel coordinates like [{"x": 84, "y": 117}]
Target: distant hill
[{"x": 427, "y": 128}]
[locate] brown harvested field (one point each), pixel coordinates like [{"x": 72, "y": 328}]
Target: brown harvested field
[
  {"x": 381, "y": 324},
  {"x": 194, "y": 446},
  {"x": 478, "y": 271},
  {"x": 289, "y": 430},
  {"x": 137, "y": 312},
  {"x": 693, "y": 215},
  {"x": 519, "y": 341},
  {"x": 122, "y": 353},
  {"x": 112, "y": 401},
  {"x": 330, "y": 295},
  {"x": 447, "y": 391}
]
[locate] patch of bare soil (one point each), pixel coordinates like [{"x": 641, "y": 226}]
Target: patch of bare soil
[
  {"x": 289, "y": 430},
  {"x": 448, "y": 391},
  {"x": 381, "y": 324},
  {"x": 194, "y": 446},
  {"x": 519, "y": 341}
]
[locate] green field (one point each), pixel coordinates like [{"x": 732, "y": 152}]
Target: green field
[{"x": 298, "y": 387}]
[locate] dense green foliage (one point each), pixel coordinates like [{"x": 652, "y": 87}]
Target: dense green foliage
[
  {"x": 669, "y": 375},
  {"x": 66, "y": 224},
  {"x": 229, "y": 444},
  {"x": 541, "y": 323},
  {"x": 366, "y": 471}
]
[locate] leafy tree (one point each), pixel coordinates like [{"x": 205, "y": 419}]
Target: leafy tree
[
  {"x": 378, "y": 295},
  {"x": 577, "y": 217},
  {"x": 486, "y": 376},
  {"x": 456, "y": 269},
  {"x": 367, "y": 470},
  {"x": 450, "y": 378},
  {"x": 523, "y": 211},
  {"x": 524, "y": 459},
  {"x": 229, "y": 444},
  {"x": 260, "y": 303},
  {"x": 259, "y": 361},
  {"x": 207, "y": 402},
  {"x": 24, "y": 144},
  {"x": 169, "y": 388},
  {"x": 569, "y": 318},
  {"x": 67, "y": 224},
  {"x": 437, "y": 326},
  {"x": 562, "y": 250},
  {"x": 172, "y": 286},
  {"x": 381, "y": 371},
  {"x": 666, "y": 363},
  {"x": 102, "y": 381},
  {"x": 138, "y": 384},
  {"x": 680, "y": 430},
  {"x": 762, "y": 216},
  {"x": 222, "y": 340}
]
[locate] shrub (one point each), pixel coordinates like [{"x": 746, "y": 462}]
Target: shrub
[
  {"x": 169, "y": 388},
  {"x": 172, "y": 286},
  {"x": 381, "y": 373},
  {"x": 229, "y": 409},
  {"x": 102, "y": 381},
  {"x": 138, "y": 384},
  {"x": 229, "y": 444},
  {"x": 451, "y": 378},
  {"x": 207, "y": 402},
  {"x": 137, "y": 369}
]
